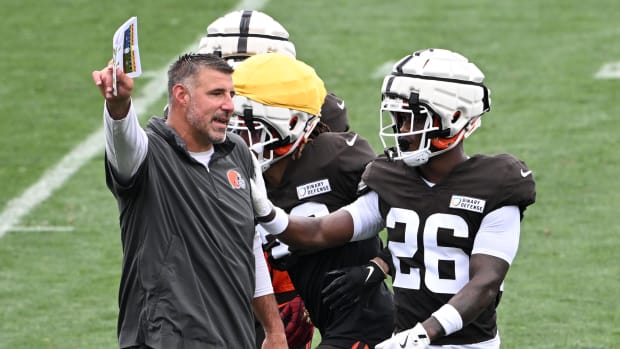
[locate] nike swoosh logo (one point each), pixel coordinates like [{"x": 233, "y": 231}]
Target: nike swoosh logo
[
  {"x": 370, "y": 271},
  {"x": 340, "y": 105},
  {"x": 404, "y": 343},
  {"x": 351, "y": 141},
  {"x": 525, "y": 173}
]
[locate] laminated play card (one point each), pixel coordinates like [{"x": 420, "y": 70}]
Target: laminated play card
[{"x": 125, "y": 53}]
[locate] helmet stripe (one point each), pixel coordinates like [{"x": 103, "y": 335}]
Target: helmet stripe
[
  {"x": 388, "y": 85},
  {"x": 485, "y": 91},
  {"x": 425, "y": 77},
  {"x": 244, "y": 29},
  {"x": 399, "y": 67},
  {"x": 249, "y": 35}
]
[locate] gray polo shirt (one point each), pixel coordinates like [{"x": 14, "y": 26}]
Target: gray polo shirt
[{"x": 188, "y": 265}]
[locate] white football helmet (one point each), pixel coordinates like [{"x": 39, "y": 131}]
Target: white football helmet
[
  {"x": 271, "y": 132},
  {"x": 442, "y": 92},
  {"x": 240, "y": 34}
]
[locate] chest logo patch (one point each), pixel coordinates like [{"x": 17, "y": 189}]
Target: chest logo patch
[
  {"x": 235, "y": 179},
  {"x": 314, "y": 188},
  {"x": 467, "y": 203}
]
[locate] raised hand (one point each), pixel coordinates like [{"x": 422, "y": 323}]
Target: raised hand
[{"x": 118, "y": 105}]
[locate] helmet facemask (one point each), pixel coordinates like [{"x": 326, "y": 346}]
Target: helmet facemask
[
  {"x": 257, "y": 136},
  {"x": 270, "y": 132},
  {"x": 409, "y": 131}
]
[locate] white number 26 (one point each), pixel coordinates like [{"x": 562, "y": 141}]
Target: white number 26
[{"x": 432, "y": 251}]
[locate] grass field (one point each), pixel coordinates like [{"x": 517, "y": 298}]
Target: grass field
[{"x": 60, "y": 250}]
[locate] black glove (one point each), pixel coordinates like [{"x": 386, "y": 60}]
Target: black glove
[{"x": 349, "y": 283}]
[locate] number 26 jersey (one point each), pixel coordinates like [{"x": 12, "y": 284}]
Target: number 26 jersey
[{"x": 431, "y": 231}]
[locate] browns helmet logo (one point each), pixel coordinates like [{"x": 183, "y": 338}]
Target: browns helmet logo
[{"x": 235, "y": 179}]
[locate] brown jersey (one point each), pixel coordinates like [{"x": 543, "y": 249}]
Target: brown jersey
[
  {"x": 322, "y": 180},
  {"x": 431, "y": 231}
]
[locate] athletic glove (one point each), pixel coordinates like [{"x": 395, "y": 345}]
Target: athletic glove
[
  {"x": 279, "y": 255},
  {"x": 281, "y": 262},
  {"x": 297, "y": 324},
  {"x": 349, "y": 283},
  {"x": 413, "y": 338},
  {"x": 262, "y": 205}
]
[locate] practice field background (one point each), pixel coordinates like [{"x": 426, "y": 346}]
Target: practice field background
[{"x": 60, "y": 252}]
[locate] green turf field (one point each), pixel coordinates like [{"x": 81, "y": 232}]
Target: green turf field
[{"x": 60, "y": 252}]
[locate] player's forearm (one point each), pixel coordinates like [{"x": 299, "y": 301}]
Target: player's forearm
[
  {"x": 266, "y": 311},
  {"x": 302, "y": 232},
  {"x": 310, "y": 233},
  {"x": 473, "y": 299},
  {"x": 487, "y": 273}
]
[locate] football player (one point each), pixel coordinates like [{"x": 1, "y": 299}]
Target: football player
[
  {"x": 452, "y": 220},
  {"x": 235, "y": 37},
  {"x": 310, "y": 171}
]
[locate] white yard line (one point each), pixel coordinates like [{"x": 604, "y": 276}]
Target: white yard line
[
  {"x": 93, "y": 145},
  {"x": 40, "y": 228},
  {"x": 609, "y": 71}
]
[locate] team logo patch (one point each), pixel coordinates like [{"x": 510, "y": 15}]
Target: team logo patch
[
  {"x": 313, "y": 188},
  {"x": 235, "y": 179},
  {"x": 467, "y": 203}
]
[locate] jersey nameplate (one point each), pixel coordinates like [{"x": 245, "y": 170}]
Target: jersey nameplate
[
  {"x": 467, "y": 203},
  {"x": 314, "y": 188}
]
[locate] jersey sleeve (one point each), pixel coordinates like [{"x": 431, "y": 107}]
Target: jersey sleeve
[
  {"x": 334, "y": 113},
  {"x": 356, "y": 153},
  {"x": 367, "y": 221},
  {"x": 517, "y": 181},
  {"x": 499, "y": 234}
]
